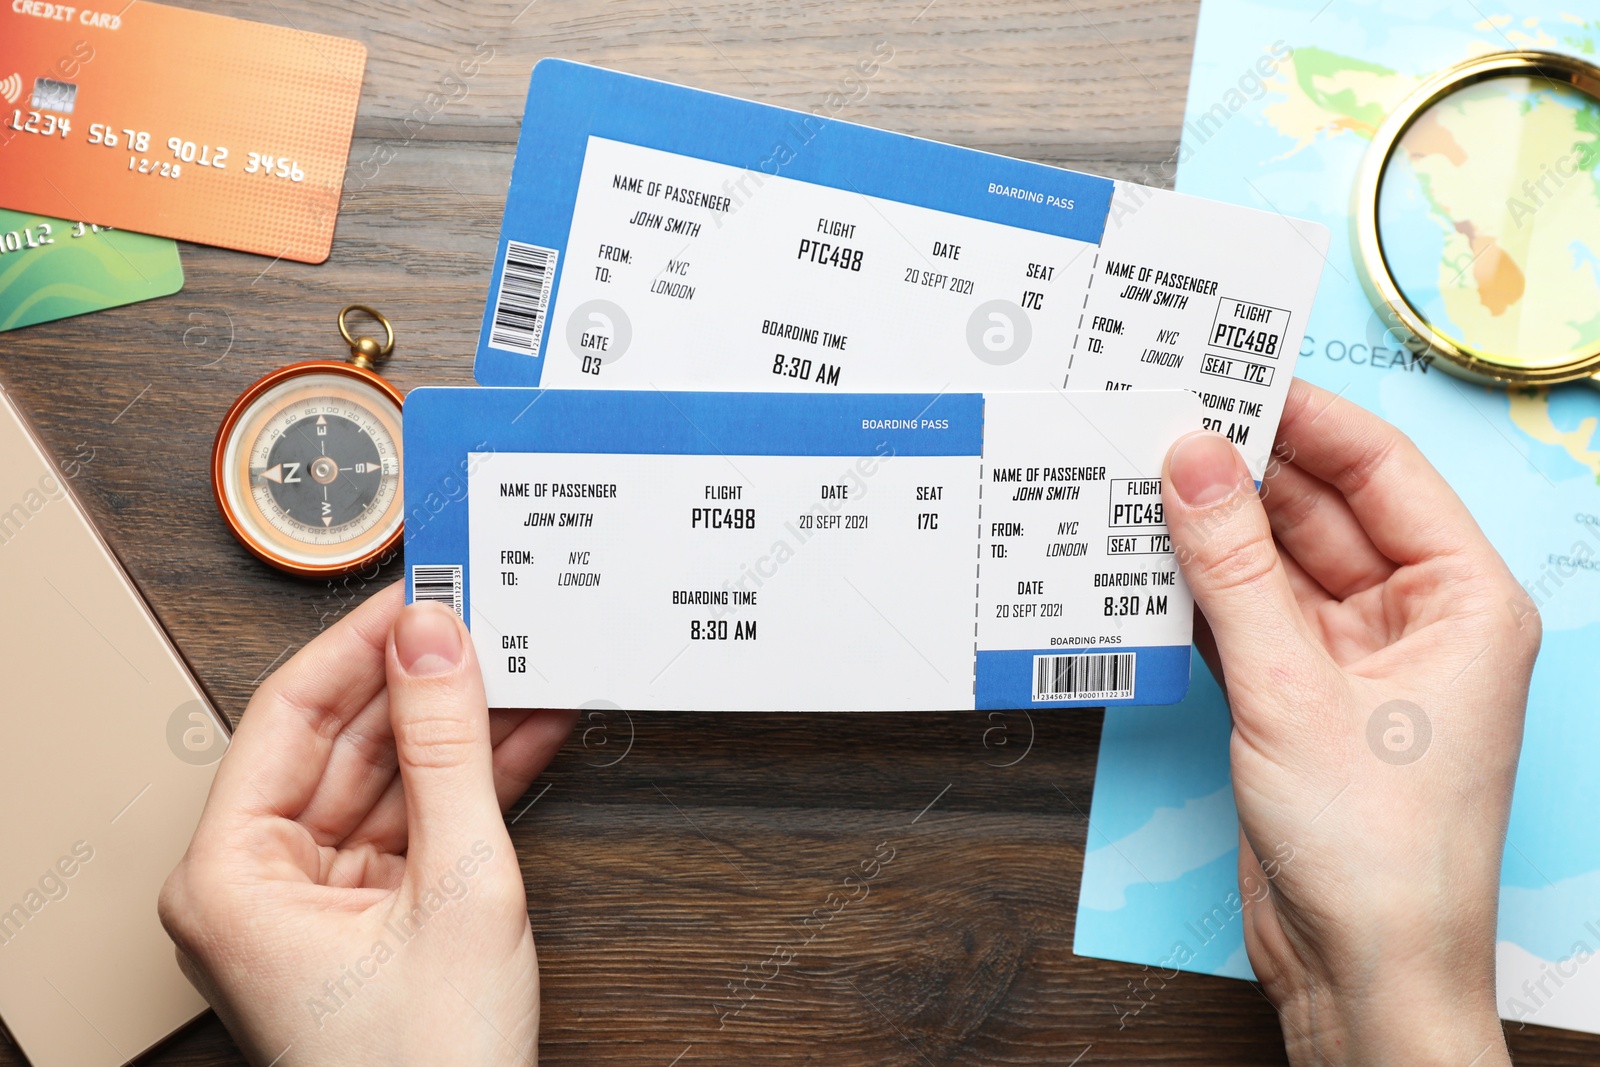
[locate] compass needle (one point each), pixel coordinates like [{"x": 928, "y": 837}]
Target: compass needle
[{"x": 305, "y": 467}]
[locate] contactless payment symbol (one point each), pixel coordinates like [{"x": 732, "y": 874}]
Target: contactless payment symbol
[
  {"x": 11, "y": 88},
  {"x": 999, "y": 332},
  {"x": 598, "y": 332}
]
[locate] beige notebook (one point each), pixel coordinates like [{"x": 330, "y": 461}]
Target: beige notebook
[{"x": 107, "y": 749}]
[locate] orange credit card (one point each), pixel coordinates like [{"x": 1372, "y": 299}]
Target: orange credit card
[{"x": 177, "y": 123}]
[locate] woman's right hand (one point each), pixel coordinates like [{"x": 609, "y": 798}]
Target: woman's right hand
[{"x": 1376, "y": 653}]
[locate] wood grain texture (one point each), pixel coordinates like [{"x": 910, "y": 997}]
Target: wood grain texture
[{"x": 666, "y": 856}]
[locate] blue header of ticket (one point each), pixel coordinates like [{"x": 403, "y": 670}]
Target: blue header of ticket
[{"x": 802, "y": 552}]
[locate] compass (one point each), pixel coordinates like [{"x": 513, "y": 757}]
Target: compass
[{"x": 306, "y": 466}]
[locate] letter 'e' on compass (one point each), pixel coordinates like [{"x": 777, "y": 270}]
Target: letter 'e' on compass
[{"x": 306, "y": 466}]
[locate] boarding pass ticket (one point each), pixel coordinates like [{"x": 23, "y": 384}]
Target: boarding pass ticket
[
  {"x": 657, "y": 236},
  {"x": 810, "y": 552}
]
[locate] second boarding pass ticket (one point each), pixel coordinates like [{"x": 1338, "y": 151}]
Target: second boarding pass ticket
[
  {"x": 781, "y": 552},
  {"x": 657, "y": 236}
]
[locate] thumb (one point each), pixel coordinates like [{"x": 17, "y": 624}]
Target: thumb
[
  {"x": 441, "y": 732},
  {"x": 1225, "y": 550}
]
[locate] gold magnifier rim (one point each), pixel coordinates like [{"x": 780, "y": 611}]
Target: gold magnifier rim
[{"x": 1460, "y": 358}]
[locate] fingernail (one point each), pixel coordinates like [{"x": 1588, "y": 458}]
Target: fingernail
[
  {"x": 427, "y": 640},
  {"x": 1204, "y": 469}
]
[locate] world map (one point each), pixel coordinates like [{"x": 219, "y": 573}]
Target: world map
[
  {"x": 1493, "y": 199},
  {"x": 1491, "y": 220}
]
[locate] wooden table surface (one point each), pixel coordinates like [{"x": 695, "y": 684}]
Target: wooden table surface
[{"x": 666, "y": 855}]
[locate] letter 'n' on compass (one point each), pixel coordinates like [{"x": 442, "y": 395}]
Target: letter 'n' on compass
[{"x": 306, "y": 466}]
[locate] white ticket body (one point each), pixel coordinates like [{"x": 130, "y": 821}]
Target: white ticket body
[
  {"x": 662, "y": 237},
  {"x": 783, "y": 552}
]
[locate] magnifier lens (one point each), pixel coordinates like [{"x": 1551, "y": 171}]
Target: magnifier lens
[{"x": 1489, "y": 217}]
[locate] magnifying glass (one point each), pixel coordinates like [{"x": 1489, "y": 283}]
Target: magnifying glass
[{"x": 1477, "y": 219}]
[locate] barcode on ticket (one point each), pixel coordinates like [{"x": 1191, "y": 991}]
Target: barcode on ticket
[
  {"x": 441, "y": 584},
  {"x": 519, "y": 310},
  {"x": 1084, "y": 676}
]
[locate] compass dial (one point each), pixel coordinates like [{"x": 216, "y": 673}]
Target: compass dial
[{"x": 310, "y": 468}]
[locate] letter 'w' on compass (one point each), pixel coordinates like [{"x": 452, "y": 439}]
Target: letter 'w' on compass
[{"x": 306, "y": 466}]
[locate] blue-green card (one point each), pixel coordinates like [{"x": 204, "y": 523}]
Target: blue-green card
[{"x": 51, "y": 268}]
